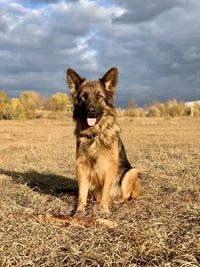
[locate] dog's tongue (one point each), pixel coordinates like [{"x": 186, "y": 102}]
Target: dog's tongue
[{"x": 91, "y": 121}]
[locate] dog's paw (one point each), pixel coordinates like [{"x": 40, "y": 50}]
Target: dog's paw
[{"x": 105, "y": 210}]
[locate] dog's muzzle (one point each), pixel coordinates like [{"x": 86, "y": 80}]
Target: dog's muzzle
[{"x": 92, "y": 116}]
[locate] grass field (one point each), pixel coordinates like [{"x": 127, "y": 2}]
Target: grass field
[{"x": 37, "y": 168}]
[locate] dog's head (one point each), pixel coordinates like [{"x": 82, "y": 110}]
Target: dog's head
[{"x": 91, "y": 99}]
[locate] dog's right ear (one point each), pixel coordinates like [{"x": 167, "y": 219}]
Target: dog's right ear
[{"x": 73, "y": 81}]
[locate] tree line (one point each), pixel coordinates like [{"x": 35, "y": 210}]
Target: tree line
[
  {"x": 171, "y": 108},
  {"x": 32, "y": 105}
]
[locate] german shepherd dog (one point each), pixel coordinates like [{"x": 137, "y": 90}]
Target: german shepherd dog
[{"x": 102, "y": 166}]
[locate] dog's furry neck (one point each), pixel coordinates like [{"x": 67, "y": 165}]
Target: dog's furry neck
[{"x": 106, "y": 130}]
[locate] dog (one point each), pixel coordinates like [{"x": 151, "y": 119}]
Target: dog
[{"x": 101, "y": 162}]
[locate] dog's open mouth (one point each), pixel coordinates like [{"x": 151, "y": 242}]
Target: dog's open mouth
[{"x": 91, "y": 121}]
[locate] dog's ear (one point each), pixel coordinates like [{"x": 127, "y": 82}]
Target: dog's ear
[
  {"x": 73, "y": 81},
  {"x": 110, "y": 80}
]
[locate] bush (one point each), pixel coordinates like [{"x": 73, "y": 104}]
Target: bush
[
  {"x": 135, "y": 112},
  {"x": 153, "y": 112},
  {"x": 49, "y": 104},
  {"x": 3, "y": 97},
  {"x": 17, "y": 109},
  {"x": 4, "y": 106},
  {"x": 161, "y": 107},
  {"x": 5, "y": 111},
  {"x": 170, "y": 109},
  {"x": 173, "y": 108},
  {"x": 31, "y": 101},
  {"x": 61, "y": 102}
]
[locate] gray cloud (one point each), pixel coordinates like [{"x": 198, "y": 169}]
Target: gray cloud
[
  {"x": 155, "y": 45},
  {"x": 143, "y": 10},
  {"x": 40, "y": 2},
  {"x": 3, "y": 24}
]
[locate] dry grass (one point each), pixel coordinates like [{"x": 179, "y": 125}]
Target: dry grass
[{"x": 161, "y": 229}]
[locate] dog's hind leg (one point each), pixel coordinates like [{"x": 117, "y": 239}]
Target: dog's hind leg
[{"x": 131, "y": 186}]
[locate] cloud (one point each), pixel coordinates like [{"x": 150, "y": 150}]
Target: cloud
[
  {"x": 138, "y": 11},
  {"x": 42, "y": 42},
  {"x": 155, "y": 45},
  {"x": 166, "y": 52}
]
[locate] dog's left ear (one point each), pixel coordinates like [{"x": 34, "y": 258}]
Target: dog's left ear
[{"x": 110, "y": 80}]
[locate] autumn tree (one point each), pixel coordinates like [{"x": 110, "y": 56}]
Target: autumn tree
[
  {"x": 32, "y": 101},
  {"x": 4, "y": 106},
  {"x": 153, "y": 112},
  {"x": 175, "y": 108},
  {"x": 3, "y": 97},
  {"x": 61, "y": 101},
  {"x": 132, "y": 104},
  {"x": 17, "y": 109}
]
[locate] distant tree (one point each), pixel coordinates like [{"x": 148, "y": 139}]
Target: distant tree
[
  {"x": 153, "y": 112},
  {"x": 174, "y": 108},
  {"x": 32, "y": 101},
  {"x": 3, "y": 97},
  {"x": 18, "y": 110},
  {"x": 135, "y": 112},
  {"x": 60, "y": 101},
  {"x": 161, "y": 107},
  {"x": 49, "y": 104},
  {"x": 4, "y": 106},
  {"x": 132, "y": 109},
  {"x": 132, "y": 104}
]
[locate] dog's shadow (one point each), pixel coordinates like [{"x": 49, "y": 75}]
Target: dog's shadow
[{"x": 47, "y": 183}]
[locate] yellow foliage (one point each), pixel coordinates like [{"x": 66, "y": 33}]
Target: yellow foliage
[
  {"x": 3, "y": 97},
  {"x": 153, "y": 112},
  {"x": 61, "y": 102},
  {"x": 18, "y": 110}
]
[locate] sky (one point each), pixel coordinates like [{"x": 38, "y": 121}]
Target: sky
[{"x": 154, "y": 44}]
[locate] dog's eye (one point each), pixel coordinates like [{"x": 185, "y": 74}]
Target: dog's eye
[
  {"x": 83, "y": 97},
  {"x": 99, "y": 96}
]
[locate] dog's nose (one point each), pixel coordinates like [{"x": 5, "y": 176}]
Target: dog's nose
[{"x": 91, "y": 111}]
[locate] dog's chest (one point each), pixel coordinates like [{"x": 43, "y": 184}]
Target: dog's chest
[
  {"x": 97, "y": 151},
  {"x": 99, "y": 162},
  {"x": 92, "y": 148}
]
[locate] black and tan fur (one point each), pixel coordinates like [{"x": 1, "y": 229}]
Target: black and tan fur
[{"x": 102, "y": 165}]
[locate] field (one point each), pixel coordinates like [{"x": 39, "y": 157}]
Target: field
[{"x": 37, "y": 170}]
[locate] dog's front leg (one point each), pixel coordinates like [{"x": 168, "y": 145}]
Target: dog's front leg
[
  {"x": 83, "y": 188},
  {"x": 82, "y": 194},
  {"x": 106, "y": 193}
]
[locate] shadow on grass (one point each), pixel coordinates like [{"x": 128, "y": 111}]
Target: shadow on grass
[{"x": 47, "y": 183}]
